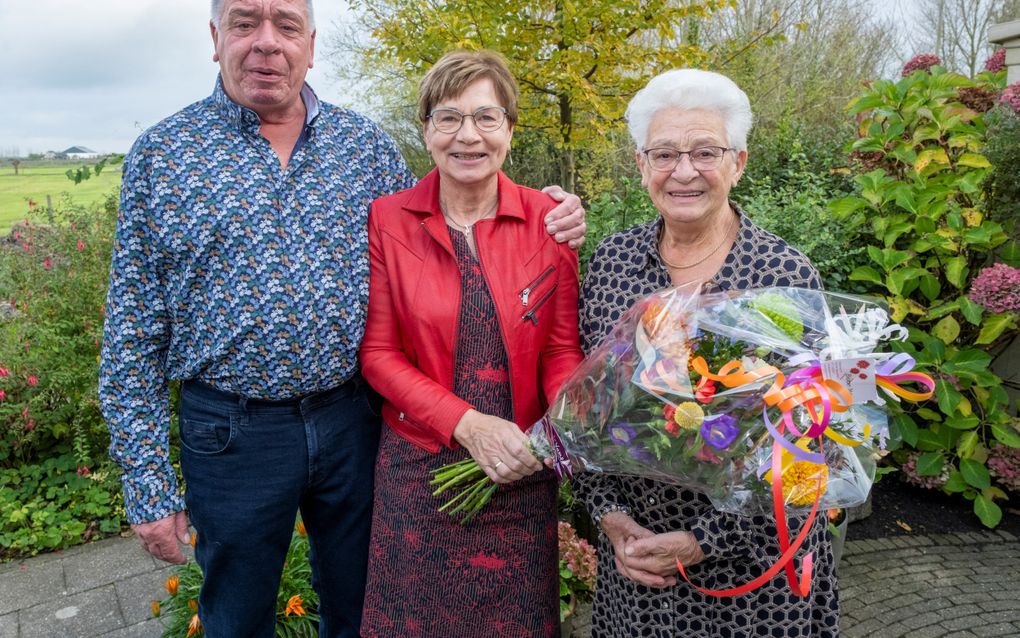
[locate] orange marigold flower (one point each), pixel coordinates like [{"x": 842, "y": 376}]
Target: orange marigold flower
[
  {"x": 300, "y": 527},
  {"x": 171, "y": 585},
  {"x": 294, "y": 606},
  {"x": 800, "y": 482},
  {"x": 194, "y": 627},
  {"x": 193, "y": 604},
  {"x": 154, "y": 605}
]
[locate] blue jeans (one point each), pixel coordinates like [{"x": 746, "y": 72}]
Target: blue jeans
[{"x": 249, "y": 466}]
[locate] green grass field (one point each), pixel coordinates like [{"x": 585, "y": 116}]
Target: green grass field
[{"x": 37, "y": 179}]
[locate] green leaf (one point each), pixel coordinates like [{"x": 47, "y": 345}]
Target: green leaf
[
  {"x": 968, "y": 361},
  {"x": 866, "y": 273},
  {"x": 929, "y": 415},
  {"x": 956, "y": 271},
  {"x": 947, "y": 329},
  {"x": 902, "y": 427},
  {"x": 947, "y": 396},
  {"x": 955, "y": 483},
  {"x": 930, "y": 464},
  {"x": 971, "y": 311},
  {"x": 986, "y": 509},
  {"x": 1006, "y": 435},
  {"x": 930, "y": 287},
  {"x": 963, "y": 422},
  {"x": 944, "y": 309},
  {"x": 1010, "y": 253},
  {"x": 846, "y": 206},
  {"x": 974, "y": 160},
  {"x": 967, "y": 444},
  {"x": 994, "y": 326},
  {"x": 976, "y": 474}
]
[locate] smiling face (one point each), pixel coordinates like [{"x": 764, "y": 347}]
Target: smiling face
[
  {"x": 684, "y": 194},
  {"x": 470, "y": 156},
  {"x": 265, "y": 48}
]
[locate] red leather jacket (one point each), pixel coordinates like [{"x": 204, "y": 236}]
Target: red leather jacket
[{"x": 407, "y": 353}]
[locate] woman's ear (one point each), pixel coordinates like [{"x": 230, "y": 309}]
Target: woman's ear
[{"x": 741, "y": 163}]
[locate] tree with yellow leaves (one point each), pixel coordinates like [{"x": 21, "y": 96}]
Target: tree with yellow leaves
[{"x": 577, "y": 62}]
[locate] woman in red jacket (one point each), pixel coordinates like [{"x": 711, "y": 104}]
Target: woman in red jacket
[{"x": 472, "y": 327}]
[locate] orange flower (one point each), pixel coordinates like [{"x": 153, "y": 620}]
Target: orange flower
[
  {"x": 193, "y": 604},
  {"x": 172, "y": 584},
  {"x": 300, "y": 527},
  {"x": 154, "y": 605},
  {"x": 294, "y": 606},
  {"x": 194, "y": 539},
  {"x": 194, "y": 627}
]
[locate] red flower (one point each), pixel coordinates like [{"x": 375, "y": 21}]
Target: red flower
[
  {"x": 668, "y": 411},
  {"x": 81, "y": 245},
  {"x": 33, "y": 380},
  {"x": 4, "y": 372},
  {"x": 863, "y": 364},
  {"x": 47, "y": 263},
  {"x": 705, "y": 390},
  {"x": 30, "y": 425},
  {"x": 24, "y": 413},
  {"x": 672, "y": 427},
  {"x": 3, "y": 395},
  {"x": 83, "y": 470}
]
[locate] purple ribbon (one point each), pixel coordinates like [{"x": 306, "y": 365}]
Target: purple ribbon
[{"x": 561, "y": 460}]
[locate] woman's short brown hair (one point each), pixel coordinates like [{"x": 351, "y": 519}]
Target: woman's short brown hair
[{"x": 455, "y": 71}]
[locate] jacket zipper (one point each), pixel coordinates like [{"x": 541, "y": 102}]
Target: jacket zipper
[
  {"x": 531, "y": 287},
  {"x": 502, "y": 329},
  {"x": 530, "y": 315}
]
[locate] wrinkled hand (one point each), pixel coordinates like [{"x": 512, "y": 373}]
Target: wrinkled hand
[
  {"x": 498, "y": 445},
  {"x": 566, "y": 222},
  {"x": 622, "y": 532},
  {"x": 161, "y": 537},
  {"x": 659, "y": 554}
]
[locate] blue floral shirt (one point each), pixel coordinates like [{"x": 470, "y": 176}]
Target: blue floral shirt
[{"x": 232, "y": 270}]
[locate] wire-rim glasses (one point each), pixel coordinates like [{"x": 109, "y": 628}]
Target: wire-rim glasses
[
  {"x": 486, "y": 118},
  {"x": 703, "y": 158}
]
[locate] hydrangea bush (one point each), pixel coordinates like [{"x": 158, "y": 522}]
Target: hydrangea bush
[{"x": 920, "y": 197}]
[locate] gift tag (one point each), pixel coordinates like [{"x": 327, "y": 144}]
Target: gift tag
[{"x": 856, "y": 375}]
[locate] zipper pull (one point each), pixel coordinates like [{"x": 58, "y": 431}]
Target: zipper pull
[{"x": 524, "y": 296}]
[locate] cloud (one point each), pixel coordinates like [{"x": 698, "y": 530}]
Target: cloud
[{"x": 95, "y": 73}]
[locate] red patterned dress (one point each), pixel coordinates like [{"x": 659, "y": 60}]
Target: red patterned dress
[{"x": 429, "y": 576}]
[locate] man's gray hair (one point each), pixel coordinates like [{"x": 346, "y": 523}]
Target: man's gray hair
[
  {"x": 217, "y": 9},
  {"x": 691, "y": 89}
]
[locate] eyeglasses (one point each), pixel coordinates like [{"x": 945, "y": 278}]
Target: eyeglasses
[
  {"x": 704, "y": 158},
  {"x": 487, "y": 118}
]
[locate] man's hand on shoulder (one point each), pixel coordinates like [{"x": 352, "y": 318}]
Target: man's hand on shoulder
[
  {"x": 565, "y": 222},
  {"x": 160, "y": 538}
]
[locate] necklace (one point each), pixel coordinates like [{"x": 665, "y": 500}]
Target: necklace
[
  {"x": 726, "y": 236},
  {"x": 466, "y": 228}
]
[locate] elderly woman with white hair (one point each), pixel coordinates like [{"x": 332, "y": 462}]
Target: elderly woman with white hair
[{"x": 690, "y": 128}]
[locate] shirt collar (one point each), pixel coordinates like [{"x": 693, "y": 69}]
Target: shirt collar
[
  {"x": 248, "y": 119},
  {"x": 424, "y": 198}
]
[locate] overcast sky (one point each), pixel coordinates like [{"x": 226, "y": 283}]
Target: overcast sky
[{"x": 96, "y": 73}]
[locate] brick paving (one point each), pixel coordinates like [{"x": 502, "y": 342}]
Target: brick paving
[{"x": 937, "y": 586}]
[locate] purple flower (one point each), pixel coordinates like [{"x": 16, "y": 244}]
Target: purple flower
[
  {"x": 639, "y": 452},
  {"x": 997, "y": 61},
  {"x": 997, "y": 287},
  {"x": 1011, "y": 97},
  {"x": 921, "y": 62},
  {"x": 621, "y": 433},
  {"x": 719, "y": 430}
]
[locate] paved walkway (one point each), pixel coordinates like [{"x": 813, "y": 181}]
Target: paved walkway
[{"x": 939, "y": 586}]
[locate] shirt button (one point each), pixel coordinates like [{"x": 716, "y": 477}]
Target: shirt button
[
  {"x": 651, "y": 500},
  {"x": 665, "y": 605}
]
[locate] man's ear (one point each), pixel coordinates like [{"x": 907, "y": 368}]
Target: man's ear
[{"x": 214, "y": 34}]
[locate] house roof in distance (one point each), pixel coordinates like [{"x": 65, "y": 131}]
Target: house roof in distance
[{"x": 79, "y": 149}]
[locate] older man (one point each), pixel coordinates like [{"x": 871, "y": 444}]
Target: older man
[{"x": 241, "y": 268}]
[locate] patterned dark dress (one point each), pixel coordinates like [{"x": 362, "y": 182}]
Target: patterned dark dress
[
  {"x": 624, "y": 268},
  {"x": 428, "y": 575}
]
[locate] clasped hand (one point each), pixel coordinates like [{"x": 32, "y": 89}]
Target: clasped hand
[
  {"x": 498, "y": 445},
  {"x": 646, "y": 557}
]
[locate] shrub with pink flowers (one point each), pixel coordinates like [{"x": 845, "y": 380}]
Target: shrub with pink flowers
[
  {"x": 997, "y": 288},
  {"x": 921, "y": 62},
  {"x": 577, "y": 569},
  {"x": 996, "y": 62},
  {"x": 1004, "y": 466},
  {"x": 911, "y": 475},
  {"x": 57, "y": 486},
  {"x": 1011, "y": 97}
]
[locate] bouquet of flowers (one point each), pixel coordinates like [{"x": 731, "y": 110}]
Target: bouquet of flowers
[{"x": 760, "y": 399}]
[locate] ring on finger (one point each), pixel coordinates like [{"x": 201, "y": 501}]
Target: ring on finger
[{"x": 498, "y": 463}]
